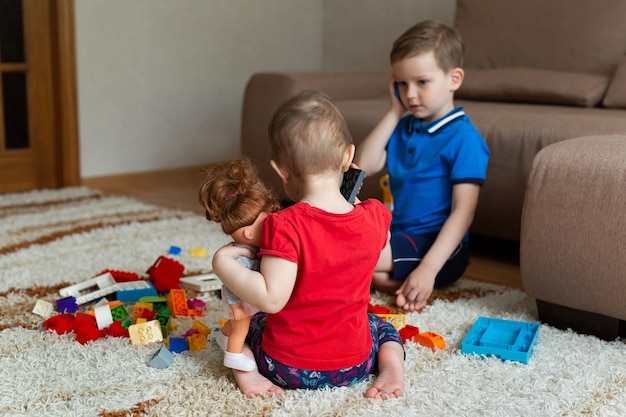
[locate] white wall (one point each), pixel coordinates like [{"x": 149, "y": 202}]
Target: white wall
[{"x": 160, "y": 82}]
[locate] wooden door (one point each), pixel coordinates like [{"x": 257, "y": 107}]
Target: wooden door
[{"x": 38, "y": 114}]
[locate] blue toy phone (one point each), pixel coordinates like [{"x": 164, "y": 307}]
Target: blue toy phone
[{"x": 396, "y": 90}]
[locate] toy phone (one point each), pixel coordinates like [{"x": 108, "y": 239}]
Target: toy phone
[
  {"x": 351, "y": 183},
  {"x": 396, "y": 90}
]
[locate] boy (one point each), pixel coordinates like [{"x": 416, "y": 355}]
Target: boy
[
  {"x": 436, "y": 162},
  {"x": 317, "y": 260}
]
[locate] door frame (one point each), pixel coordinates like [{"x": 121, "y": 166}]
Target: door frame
[{"x": 65, "y": 82}]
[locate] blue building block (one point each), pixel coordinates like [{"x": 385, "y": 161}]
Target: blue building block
[
  {"x": 132, "y": 291},
  {"x": 161, "y": 359},
  {"x": 67, "y": 305},
  {"x": 175, "y": 250},
  {"x": 178, "y": 344},
  {"x": 506, "y": 339}
]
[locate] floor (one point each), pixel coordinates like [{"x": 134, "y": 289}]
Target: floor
[{"x": 491, "y": 260}]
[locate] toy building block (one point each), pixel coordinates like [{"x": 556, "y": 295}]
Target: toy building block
[
  {"x": 81, "y": 319},
  {"x": 408, "y": 332},
  {"x": 378, "y": 309},
  {"x": 196, "y": 303},
  {"x": 177, "y": 303},
  {"x": 198, "y": 252},
  {"x": 165, "y": 273},
  {"x": 145, "y": 333},
  {"x": 148, "y": 315},
  {"x": 119, "y": 312},
  {"x": 139, "y": 308},
  {"x": 165, "y": 322},
  {"x": 130, "y": 292},
  {"x": 201, "y": 328},
  {"x": 430, "y": 340},
  {"x": 60, "y": 323},
  {"x": 67, "y": 305},
  {"x": 88, "y": 333},
  {"x": 505, "y": 339},
  {"x": 396, "y": 320},
  {"x": 121, "y": 276},
  {"x": 155, "y": 300},
  {"x": 175, "y": 250},
  {"x": 104, "y": 318},
  {"x": 197, "y": 342},
  {"x": 201, "y": 283},
  {"x": 161, "y": 358},
  {"x": 117, "y": 329},
  {"x": 91, "y": 289},
  {"x": 43, "y": 308},
  {"x": 178, "y": 344}
]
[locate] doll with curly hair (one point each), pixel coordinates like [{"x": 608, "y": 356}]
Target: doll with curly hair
[{"x": 234, "y": 196}]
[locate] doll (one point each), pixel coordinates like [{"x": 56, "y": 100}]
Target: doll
[{"x": 233, "y": 194}]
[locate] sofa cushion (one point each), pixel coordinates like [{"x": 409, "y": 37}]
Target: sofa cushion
[
  {"x": 533, "y": 86},
  {"x": 587, "y": 36},
  {"x": 616, "y": 94}
]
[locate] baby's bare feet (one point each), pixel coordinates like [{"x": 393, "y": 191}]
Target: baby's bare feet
[
  {"x": 390, "y": 381},
  {"x": 252, "y": 383}
]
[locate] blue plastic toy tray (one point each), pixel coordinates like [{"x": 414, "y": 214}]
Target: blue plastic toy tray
[{"x": 506, "y": 339}]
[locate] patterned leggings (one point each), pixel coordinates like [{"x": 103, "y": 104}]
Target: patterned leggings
[{"x": 294, "y": 378}]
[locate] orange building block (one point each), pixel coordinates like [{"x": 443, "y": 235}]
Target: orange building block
[
  {"x": 197, "y": 342},
  {"x": 177, "y": 302},
  {"x": 430, "y": 340}
]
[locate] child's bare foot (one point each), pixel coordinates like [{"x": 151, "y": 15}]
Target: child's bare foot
[
  {"x": 252, "y": 383},
  {"x": 390, "y": 380}
]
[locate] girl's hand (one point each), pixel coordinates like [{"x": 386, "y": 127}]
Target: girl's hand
[{"x": 234, "y": 251}]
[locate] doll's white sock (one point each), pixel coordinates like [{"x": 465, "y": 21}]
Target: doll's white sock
[
  {"x": 222, "y": 340},
  {"x": 239, "y": 361}
]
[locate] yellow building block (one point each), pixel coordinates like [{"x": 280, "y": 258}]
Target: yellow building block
[
  {"x": 201, "y": 327},
  {"x": 396, "y": 320},
  {"x": 145, "y": 333}
]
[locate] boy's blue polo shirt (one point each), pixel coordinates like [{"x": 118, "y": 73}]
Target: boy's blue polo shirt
[{"x": 424, "y": 161}]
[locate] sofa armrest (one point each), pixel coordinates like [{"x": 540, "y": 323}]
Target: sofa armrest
[{"x": 266, "y": 91}]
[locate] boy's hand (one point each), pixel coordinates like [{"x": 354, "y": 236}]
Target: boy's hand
[
  {"x": 395, "y": 97},
  {"x": 416, "y": 289}
]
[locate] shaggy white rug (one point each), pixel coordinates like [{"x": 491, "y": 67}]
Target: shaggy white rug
[{"x": 54, "y": 237}]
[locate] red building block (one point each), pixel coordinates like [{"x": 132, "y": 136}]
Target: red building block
[
  {"x": 408, "y": 332},
  {"x": 165, "y": 273},
  {"x": 121, "y": 276},
  {"x": 61, "y": 323},
  {"x": 378, "y": 309}
]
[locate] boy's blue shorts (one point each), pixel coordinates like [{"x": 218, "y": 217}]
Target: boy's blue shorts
[{"x": 408, "y": 250}]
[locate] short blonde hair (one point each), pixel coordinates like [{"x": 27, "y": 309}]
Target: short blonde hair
[
  {"x": 430, "y": 35},
  {"x": 308, "y": 134},
  {"x": 233, "y": 194}
]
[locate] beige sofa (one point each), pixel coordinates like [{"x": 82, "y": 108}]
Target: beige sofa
[{"x": 537, "y": 72}]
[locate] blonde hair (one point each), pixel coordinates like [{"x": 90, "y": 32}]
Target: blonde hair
[
  {"x": 308, "y": 134},
  {"x": 233, "y": 194},
  {"x": 430, "y": 35}
]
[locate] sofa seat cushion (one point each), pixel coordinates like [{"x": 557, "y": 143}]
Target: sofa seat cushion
[
  {"x": 515, "y": 133},
  {"x": 530, "y": 85}
]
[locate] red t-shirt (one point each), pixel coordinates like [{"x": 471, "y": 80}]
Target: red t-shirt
[{"x": 324, "y": 324}]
